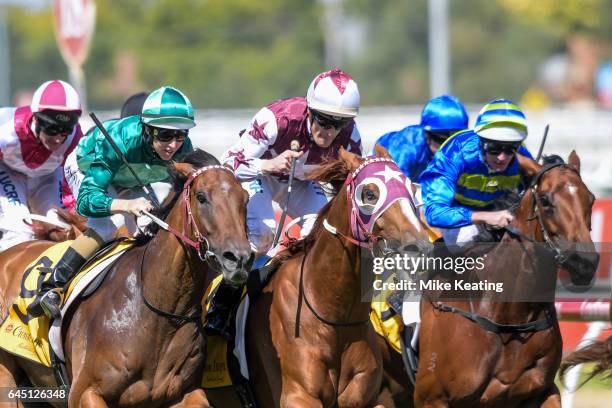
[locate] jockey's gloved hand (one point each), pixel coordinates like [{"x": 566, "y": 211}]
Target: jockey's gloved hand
[
  {"x": 497, "y": 219},
  {"x": 135, "y": 206},
  {"x": 280, "y": 163}
]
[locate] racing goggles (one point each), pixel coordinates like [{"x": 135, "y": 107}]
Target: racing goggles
[
  {"x": 167, "y": 135},
  {"x": 328, "y": 121},
  {"x": 496, "y": 148},
  {"x": 440, "y": 136},
  {"x": 54, "y": 129}
]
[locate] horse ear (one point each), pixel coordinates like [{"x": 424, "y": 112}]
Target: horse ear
[
  {"x": 529, "y": 167},
  {"x": 352, "y": 160},
  {"x": 184, "y": 169},
  {"x": 574, "y": 161},
  {"x": 381, "y": 152}
]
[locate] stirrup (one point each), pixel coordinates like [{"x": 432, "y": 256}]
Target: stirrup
[{"x": 51, "y": 303}]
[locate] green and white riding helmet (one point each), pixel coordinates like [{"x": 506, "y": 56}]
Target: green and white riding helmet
[{"x": 168, "y": 108}]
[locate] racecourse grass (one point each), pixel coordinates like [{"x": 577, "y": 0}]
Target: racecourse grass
[{"x": 597, "y": 393}]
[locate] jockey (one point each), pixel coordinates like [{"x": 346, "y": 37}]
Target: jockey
[
  {"x": 413, "y": 147},
  {"x": 34, "y": 143},
  {"x": 131, "y": 106},
  {"x": 321, "y": 123},
  {"x": 107, "y": 191},
  {"x": 473, "y": 169}
]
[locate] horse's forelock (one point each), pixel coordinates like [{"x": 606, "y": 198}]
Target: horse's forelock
[{"x": 197, "y": 158}]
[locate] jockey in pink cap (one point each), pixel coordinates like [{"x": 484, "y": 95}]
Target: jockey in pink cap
[
  {"x": 320, "y": 124},
  {"x": 34, "y": 143}
]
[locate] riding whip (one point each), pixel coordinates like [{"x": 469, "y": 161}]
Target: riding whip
[
  {"x": 110, "y": 140},
  {"x": 295, "y": 146},
  {"x": 542, "y": 144}
]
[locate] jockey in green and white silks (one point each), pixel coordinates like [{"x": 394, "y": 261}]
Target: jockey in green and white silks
[
  {"x": 473, "y": 169},
  {"x": 108, "y": 193}
]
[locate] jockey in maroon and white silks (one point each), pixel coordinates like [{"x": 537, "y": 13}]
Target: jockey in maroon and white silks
[
  {"x": 34, "y": 143},
  {"x": 321, "y": 123}
]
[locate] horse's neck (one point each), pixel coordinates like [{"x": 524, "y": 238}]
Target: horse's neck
[
  {"x": 331, "y": 269},
  {"x": 169, "y": 277},
  {"x": 528, "y": 277}
]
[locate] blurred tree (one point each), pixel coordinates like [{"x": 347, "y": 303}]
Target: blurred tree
[
  {"x": 246, "y": 53},
  {"x": 563, "y": 16}
]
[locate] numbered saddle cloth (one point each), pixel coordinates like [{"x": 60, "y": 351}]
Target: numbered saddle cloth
[{"x": 29, "y": 337}]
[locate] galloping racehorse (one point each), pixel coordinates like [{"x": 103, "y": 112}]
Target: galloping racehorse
[
  {"x": 308, "y": 338},
  {"x": 137, "y": 341},
  {"x": 488, "y": 353}
]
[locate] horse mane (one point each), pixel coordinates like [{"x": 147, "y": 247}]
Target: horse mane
[
  {"x": 334, "y": 172},
  {"x": 198, "y": 158}
]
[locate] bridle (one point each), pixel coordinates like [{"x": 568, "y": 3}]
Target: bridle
[
  {"x": 560, "y": 257},
  {"x": 200, "y": 244},
  {"x": 361, "y": 235},
  {"x": 365, "y": 239},
  {"x": 550, "y": 315}
]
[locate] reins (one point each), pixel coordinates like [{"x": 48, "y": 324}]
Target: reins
[
  {"x": 200, "y": 244},
  {"x": 533, "y": 326}
]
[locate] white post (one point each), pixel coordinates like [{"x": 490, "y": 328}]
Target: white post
[
  {"x": 332, "y": 24},
  {"x": 573, "y": 375},
  {"x": 5, "y": 65},
  {"x": 439, "y": 55},
  {"x": 76, "y": 77}
]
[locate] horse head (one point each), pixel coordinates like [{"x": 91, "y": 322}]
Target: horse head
[
  {"x": 215, "y": 211},
  {"x": 382, "y": 203},
  {"x": 561, "y": 205}
]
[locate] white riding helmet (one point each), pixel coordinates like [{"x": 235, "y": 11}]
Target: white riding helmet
[{"x": 334, "y": 93}]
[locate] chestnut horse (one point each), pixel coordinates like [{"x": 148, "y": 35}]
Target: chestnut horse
[
  {"x": 309, "y": 343},
  {"x": 489, "y": 353},
  {"x": 598, "y": 352},
  {"x": 137, "y": 341}
]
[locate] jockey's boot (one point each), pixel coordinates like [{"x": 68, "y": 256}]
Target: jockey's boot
[
  {"x": 225, "y": 298},
  {"x": 49, "y": 299}
]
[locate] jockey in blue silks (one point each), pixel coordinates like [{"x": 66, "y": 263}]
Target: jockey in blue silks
[
  {"x": 413, "y": 147},
  {"x": 473, "y": 169}
]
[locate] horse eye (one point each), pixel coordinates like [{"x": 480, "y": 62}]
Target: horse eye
[
  {"x": 201, "y": 198},
  {"x": 370, "y": 196},
  {"x": 545, "y": 201}
]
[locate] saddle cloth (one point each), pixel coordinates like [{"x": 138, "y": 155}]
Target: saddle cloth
[
  {"x": 29, "y": 337},
  {"x": 217, "y": 367}
]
